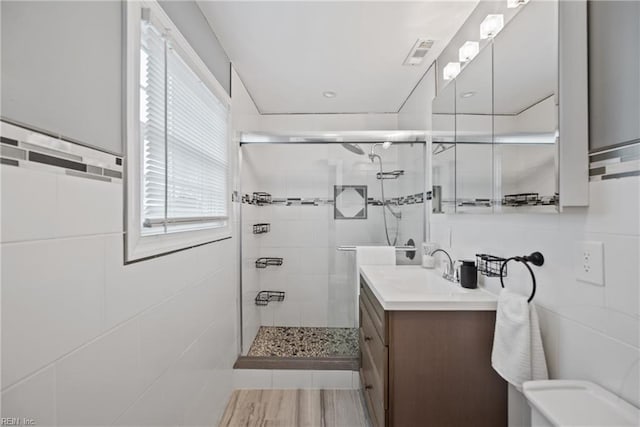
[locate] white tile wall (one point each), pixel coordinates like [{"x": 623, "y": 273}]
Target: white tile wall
[
  {"x": 177, "y": 398},
  {"x": 329, "y": 380},
  {"x": 292, "y": 379},
  {"x": 161, "y": 340},
  {"x": 99, "y": 381},
  {"x": 589, "y": 332},
  {"x": 52, "y": 301},
  {"x": 57, "y": 205},
  {"x": 252, "y": 378},
  {"x": 87, "y": 340},
  {"x": 33, "y": 398},
  {"x": 28, "y": 214},
  {"x": 88, "y": 207}
]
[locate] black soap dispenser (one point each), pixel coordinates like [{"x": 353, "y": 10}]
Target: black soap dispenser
[{"x": 468, "y": 274}]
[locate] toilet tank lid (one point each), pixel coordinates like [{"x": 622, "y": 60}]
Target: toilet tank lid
[{"x": 579, "y": 403}]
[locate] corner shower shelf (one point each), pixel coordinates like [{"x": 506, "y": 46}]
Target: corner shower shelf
[
  {"x": 264, "y": 262},
  {"x": 265, "y": 297},
  {"x": 390, "y": 175},
  {"x": 261, "y": 228}
]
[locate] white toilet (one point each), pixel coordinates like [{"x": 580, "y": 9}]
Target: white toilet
[{"x": 563, "y": 403}]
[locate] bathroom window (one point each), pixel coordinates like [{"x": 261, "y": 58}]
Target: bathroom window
[{"x": 178, "y": 140}]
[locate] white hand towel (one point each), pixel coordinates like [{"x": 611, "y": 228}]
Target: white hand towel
[
  {"x": 372, "y": 255},
  {"x": 517, "y": 353}
]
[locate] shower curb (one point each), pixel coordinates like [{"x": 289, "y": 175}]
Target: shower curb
[{"x": 304, "y": 363}]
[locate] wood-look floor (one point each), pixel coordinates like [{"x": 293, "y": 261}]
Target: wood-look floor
[{"x": 295, "y": 408}]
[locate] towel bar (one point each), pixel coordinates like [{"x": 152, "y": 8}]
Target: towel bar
[{"x": 398, "y": 248}]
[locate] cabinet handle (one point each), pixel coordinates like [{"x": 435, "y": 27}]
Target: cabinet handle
[
  {"x": 368, "y": 387},
  {"x": 366, "y": 338}
]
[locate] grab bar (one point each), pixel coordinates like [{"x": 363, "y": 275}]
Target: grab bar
[{"x": 398, "y": 248}]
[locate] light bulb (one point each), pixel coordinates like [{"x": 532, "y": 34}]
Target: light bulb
[
  {"x": 491, "y": 26},
  {"x": 451, "y": 70},
  {"x": 468, "y": 51}
]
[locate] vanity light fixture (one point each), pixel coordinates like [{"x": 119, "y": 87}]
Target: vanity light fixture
[
  {"x": 468, "y": 51},
  {"x": 451, "y": 70},
  {"x": 491, "y": 26},
  {"x": 329, "y": 94},
  {"x": 511, "y": 4}
]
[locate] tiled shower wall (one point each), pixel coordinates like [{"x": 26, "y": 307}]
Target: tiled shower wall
[
  {"x": 319, "y": 280},
  {"x": 87, "y": 340},
  {"x": 590, "y": 332}
]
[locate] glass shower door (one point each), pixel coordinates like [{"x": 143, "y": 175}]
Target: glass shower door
[{"x": 302, "y": 203}]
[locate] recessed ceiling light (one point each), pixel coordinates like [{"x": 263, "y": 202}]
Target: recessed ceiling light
[
  {"x": 329, "y": 94},
  {"x": 467, "y": 94}
]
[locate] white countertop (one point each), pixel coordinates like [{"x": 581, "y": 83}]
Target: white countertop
[{"x": 403, "y": 287}]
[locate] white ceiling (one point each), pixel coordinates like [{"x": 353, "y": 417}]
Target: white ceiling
[{"x": 288, "y": 53}]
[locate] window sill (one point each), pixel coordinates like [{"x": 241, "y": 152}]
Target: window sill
[{"x": 150, "y": 246}]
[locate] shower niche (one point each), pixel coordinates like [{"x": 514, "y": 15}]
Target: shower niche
[{"x": 502, "y": 141}]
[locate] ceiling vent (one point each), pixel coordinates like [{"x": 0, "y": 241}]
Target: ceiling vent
[{"x": 418, "y": 52}]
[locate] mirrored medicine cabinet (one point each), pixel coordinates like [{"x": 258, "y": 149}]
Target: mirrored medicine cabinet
[{"x": 495, "y": 139}]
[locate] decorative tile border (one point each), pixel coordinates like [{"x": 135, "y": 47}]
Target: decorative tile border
[
  {"x": 22, "y": 147},
  {"x": 412, "y": 199},
  {"x": 248, "y": 199},
  {"x": 619, "y": 162}
]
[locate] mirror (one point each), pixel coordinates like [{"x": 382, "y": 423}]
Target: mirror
[
  {"x": 443, "y": 160},
  {"x": 474, "y": 135},
  {"x": 495, "y": 140},
  {"x": 525, "y": 78}
]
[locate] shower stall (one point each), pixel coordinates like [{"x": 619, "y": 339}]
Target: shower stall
[{"x": 307, "y": 202}]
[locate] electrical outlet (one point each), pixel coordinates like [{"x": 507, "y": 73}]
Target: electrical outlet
[{"x": 590, "y": 263}]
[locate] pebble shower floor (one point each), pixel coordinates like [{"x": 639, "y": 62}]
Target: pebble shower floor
[{"x": 280, "y": 341}]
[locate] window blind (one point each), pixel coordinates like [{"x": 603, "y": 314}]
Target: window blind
[{"x": 184, "y": 131}]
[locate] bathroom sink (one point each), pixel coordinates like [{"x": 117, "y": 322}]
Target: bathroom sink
[
  {"x": 435, "y": 284},
  {"x": 416, "y": 288}
]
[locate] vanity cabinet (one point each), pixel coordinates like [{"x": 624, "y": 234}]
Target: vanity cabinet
[{"x": 429, "y": 368}]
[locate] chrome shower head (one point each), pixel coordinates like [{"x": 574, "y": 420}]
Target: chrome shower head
[{"x": 354, "y": 148}]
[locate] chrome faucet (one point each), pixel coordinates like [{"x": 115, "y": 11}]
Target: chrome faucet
[{"x": 449, "y": 271}]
